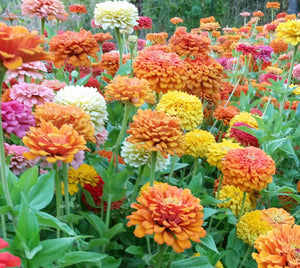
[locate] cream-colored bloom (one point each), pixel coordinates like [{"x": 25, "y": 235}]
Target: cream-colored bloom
[
  {"x": 117, "y": 14},
  {"x": 88, "y": 99},
  {"x": 139, "y": 157}
]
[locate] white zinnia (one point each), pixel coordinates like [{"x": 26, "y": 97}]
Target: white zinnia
[
  {"x": 117, "y": 14},
  {"x": 139, "y": 157},
  {"x": 88, "y": 99}
]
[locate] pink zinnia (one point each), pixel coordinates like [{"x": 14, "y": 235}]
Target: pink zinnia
[
  {"x": 55, "y": 85},
  {"x": 31, "y": 94},
  {"x": 93, "y": 24},
  {"x": 243, "y": 137},
  {"x": 16, "y": 118},
  {"x": 256, "y": 112},
  {"x": 18, "y": 163},
  {"x": 247, "y": 49},
  {"x": 108, "y": 46},
  {"x": 296, "y": 71},
  {"x": 44, "y": 9},
  {"x": 141, "y": 44},
  {"x": 266, "y": 77},
  {"x": 101, "y": 138},
  {"x": 30, "y": 69},
  {"x": 143, "y": 23},
  {"x": 245, "y": 14}
]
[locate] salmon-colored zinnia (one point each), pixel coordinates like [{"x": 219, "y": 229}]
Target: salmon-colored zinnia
[
  {"x": 18, "y": 46},
  {"x": 275, "y": 216},
  {"x": 248, "y": 168},
  {"x": 279, "y": 248},
  {"x": 164, "y": 71},
  {"x": 132, "y": 90},
  {"x": 73, "y": 48},
  {"x": 59, "y": 115},
  {"x": 173, "y": 215},
  {"x": 156, "y": 131},
  {"x": 53, "y": 143}
]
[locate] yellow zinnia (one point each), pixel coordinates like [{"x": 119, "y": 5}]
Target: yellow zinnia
[{"x": 289, "y": 31}]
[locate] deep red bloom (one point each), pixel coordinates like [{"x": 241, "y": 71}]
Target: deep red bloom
[
  {"x": 243, "y": 137},
  {"x": 144, "y": 23}
]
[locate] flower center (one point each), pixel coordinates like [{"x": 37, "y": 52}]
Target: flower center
[{"x": 173, "y": 200}]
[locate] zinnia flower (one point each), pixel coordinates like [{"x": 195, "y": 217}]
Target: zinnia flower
[
  {"x": 117, "y": 14},
  {"x": 131, "y": 90},
  {"x": 6, "y": 258},
  {"x": 164, "y": 71},
  {"x": 289, "y": 31},
  {"x": 225, "y": 114},
  {"x": 55, "y": 85},
  {"x": 53, "y": 143},
  {"x": 274, "y": 5},
  {"x": 143, "y": 23},
  {"x": 138, "y": 157},
  {"x": 17, "y": 163},
  {"x": 16, "y": 118},
  {"x": 101, "y": 137},
  {"x": 18, "y": 46},
  {"x": 82, "y": 175},
  {"x": 246, "y": 118},
  {"x": 275, "y": 216},
  {"x": 217, "y": 151},
  {"x": 173, "y": 215},
  {"x": 235, "y": 196},
  {"x": 186, "y": 107},
  {"x": 279, "y": 46},
  {"x": 44, "y": 9},
  {"x": 296, "y": 71},
  {"x": 88, "y": 99},
  {"x": 74, "y": 48},
  {"x": 157, "y": 38},
  {"x": 77, "y": 8},
  {"x": 108, "y": 46},
  {"x": 245, "y": 14},
  {"x": 59, "y": 115},
  {"x": 251, "y": 226},
  {"x": 248, "y": 168},
  {"x": 176, "y": 20},
  {"x": 197, "y": 142},
  {"x": 31, "y": 94},
  {"x": 156, "y": 131},
  {"x": 279, "y": 248},
  {"x": 258, "y": 14},
  {"x": 241, "y": 136},
  {"x": 102, "y": 37}
]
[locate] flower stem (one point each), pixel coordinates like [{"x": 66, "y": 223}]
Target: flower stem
[
  {"x": 171, "y": 258},
  {"x": 148, "y": 244},
  {"x": 119, "y": 40},
  {"x": 108, "y": 211},
  {"x": 195, "y": 167},
  {"x": 172, "y": 168},
  {"x": 137, "y": 183},
  {"x": 242, "y": 206},
  {"x": 58, "y": 196},
  {"x": 66, "y": 187},
  {"x": 3, "y": 227},
  {"x": 43, "y": 26},
  {"x": 235, "y": 87},
  {"x": 245, "y": 256},
  {"x": 160, "y": 261},
  {"x": 152, "y": 169}
]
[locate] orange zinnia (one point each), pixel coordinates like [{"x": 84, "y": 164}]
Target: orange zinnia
[
  {"x": 132, "y": 90},
  {"x": 156, "y": 131},
  {"x": 176, "y": 20},
  {"x": 173, "y": 215},
  {"x": 74, "y": 48},
  {"x": 248, "y": 168},
  {"x": 258, "y": 14},
  {"x": 279, "y": 46},
  {"x": 164, "y": 71},
  {"x": 53, "y": 143},
  {"x": 18, "y": 46},
  {"x": 280, "y": 247},
  {"x": 225, "y": 114},
  {"x": 59, "y": 115},
  {"x": 102, "y": 37},
  {"x": 77, "y": 8},
  {"x": 275, "y": 216},
  {"x": 157, "y": 38},
  {"x": 188, "y": 44},
  {"x": 274, "y": 5},
  {"x": 207, "y": 20}
]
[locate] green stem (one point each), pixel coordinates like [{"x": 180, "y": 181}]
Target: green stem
[
  {"x": 172, "y": 168},
  {"x": 3, "y": 227},
  {"x": 171, "y": 258},
  {"x": 242, "y": 207},
  {"x": 148, "y": 244},
  {"x": 58, "y": 195},
  {"x": 160, "y": 256},
  {"x": 66, "y": 187},
  {"x": 119, "y": 40},
  {"x": 195, "y": 168},
  {"x": 248, "y": 251},
  {"x": 108, "y": 211},
  {"x": 152, "y": 169},
  {"x": 289, "y": 78},
  {"x": 137, "y": 183},
  {"x": 43, "y": 25}
]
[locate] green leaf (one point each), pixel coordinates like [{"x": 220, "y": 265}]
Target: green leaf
[
  {"x": 96, "y": 222},
  {"x": 194, "y": 262},
  {"x": 82, "y": 81},
  {"x": 42, "y": 192},
  {"x": 209, "y": 242},
  {"x": 195, "y": 184},
  {"x": 5, "y": 209},
  {"x": 124, "y": 69},
  {"x": 232, "y": 258},
  {"x": 135, "y": 250},
  {"x": 50, "y": 31},
  {"x": 116, "y": 229},
  {"x": 297, "y": 114},
  {"x": 75, "y": 257},
  {"x": 209, "y": 212},
  {"x": 93, "y": 243},
  {"x": 110, "y": 262},
  {"x": 27, "y": 180}
]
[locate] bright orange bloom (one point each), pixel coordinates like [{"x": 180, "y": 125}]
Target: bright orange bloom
[
  {"x": 77, "y": 8},
  {"x": 18, "y": 46},
  {"x": 164, "y": 71},
  {"x": 275, "y": 216},
  {"x": 258, "y": 14},
  {"x": 156, "y": 131},
  {"x": 216, "y": 34},
  {"x": 73, "y": 48},
  {"x": 187, "y": 44},
  {"x": 109, "y": 154},
  {"x": 248, "y": 168},
  {"x": 279, "y": 248},
  {"x": 290, "y": 17},
  {"x": 132, "y": 90},
  {"x": 53, "y": 143},
  {"x": 274, "y": 5},
  {"x": 225, "y": 114},
  {"x": 157, "y": 38},
  {"x": 207, "y": 20},
  {"x": 211, "y": 26},
  {"x": 102, "y": 37},
  {"x": 204, "y": 76},
  {"x": 173, "y": 215},
  {"x": 176, "y": 20},
  {"x": 59, "y": 115},
  {"x": 278, "y": 46}
]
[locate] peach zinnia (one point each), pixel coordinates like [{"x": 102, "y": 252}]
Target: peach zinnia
[
  {"x": 279, "y": 248},
  {"x": 173, "y": 215},
  {"x": 164, "y": 71},
  {"x": 18, "y": 46},
  {"x": 156, "y": 131},
  {"x": 248, "y": 168},
  {"x": 132, "y": 90},
  {"x": 73, "y": 48},
  {"x": 275, "y": 216},
  {"x": 53, "y": 143}
]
